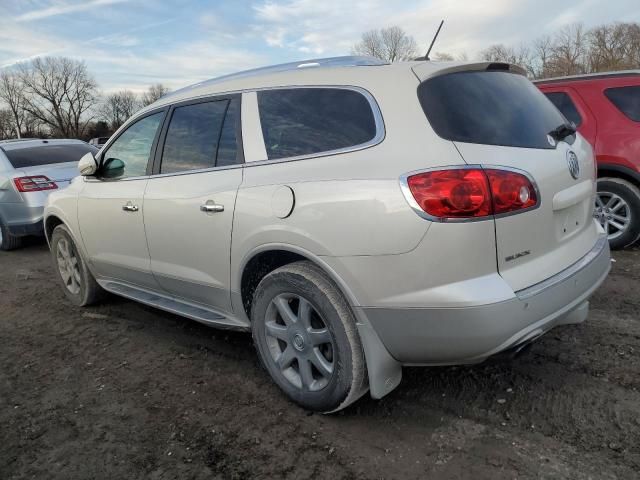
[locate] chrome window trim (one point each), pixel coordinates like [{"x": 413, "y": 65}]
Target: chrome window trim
[
  {"x": 597, "y": 250},
  {"x": 375, "y": 109},
  {"x": 406, "y": 192},
  {"x": 377, "y": 139}
]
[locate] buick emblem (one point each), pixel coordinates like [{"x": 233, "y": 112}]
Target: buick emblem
[{"x": 574, "y": 164}]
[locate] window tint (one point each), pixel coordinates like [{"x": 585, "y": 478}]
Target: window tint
[
  {"x": 133, "y": 147},
  {"x": 47, "y": 154},
  {"x": 563, "y": 102},
  {"x": 627, "y": 100},
  {"x": 198, "y": 134},
  {"x": 491, "y": 108},
  {"x": 304, "y": 121}
]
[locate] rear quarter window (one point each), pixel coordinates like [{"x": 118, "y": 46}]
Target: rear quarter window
[
  {"x": 307, "y": 121},
  {"x": 491, "y": 108},
  {"x": 563, "y": 102},
  {"x": 47, "y": 154},
  {"x": 626, "y": 99}
]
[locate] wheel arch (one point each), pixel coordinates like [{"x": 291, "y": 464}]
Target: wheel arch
[
  {"x": 266, "y": 258},
  {"x": 384, "y": 372},
  {"x": 619, "y": 171},
  {"x": 50, "y": 223}
]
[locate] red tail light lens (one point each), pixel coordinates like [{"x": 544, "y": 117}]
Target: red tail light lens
[
  {"x": 460, "y": 193},
  {"x": 471, "y": 192},
  {"x": 511, "y": 191},
  {"x": 34, "y": 184}
]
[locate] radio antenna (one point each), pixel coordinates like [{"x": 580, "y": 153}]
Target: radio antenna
[{"x": 426, "y": 57}]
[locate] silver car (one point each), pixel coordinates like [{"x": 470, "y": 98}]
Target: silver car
[
  {"x": 354, "y": 216},
  {"x": 30, "y": 169}
]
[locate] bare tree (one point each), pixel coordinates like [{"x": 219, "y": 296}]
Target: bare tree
[
  {"x": 154, "y": 93},
  {"x": 521, "y": 56},
  {"x": 569, "y": 52},
  {"x": 59, "y": 92},
  {"x": 7, "y": 128},
  {"x": 12, "y": 92},
  {"x": 614, "y": 47},
  {"x": 119, "y": 106},
  {"x": 391, "y": 44}
]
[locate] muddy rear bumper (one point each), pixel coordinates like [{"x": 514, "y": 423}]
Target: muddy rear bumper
[{"x": 445, "y": 336}]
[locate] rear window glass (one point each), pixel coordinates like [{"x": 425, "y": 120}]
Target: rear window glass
[
  {"x": 47, "y": 154},
  {"x": 491, "y": 108},
  {"x": 306, "y": 121},
  {"x": 563, "y": 102},
  {"x": 627, "y": 100}
]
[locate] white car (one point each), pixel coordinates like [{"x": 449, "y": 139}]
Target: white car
[{"x": 355, "y": 216}]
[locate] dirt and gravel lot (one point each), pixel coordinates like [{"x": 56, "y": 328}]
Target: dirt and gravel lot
[{"x": 124, "y": 391}]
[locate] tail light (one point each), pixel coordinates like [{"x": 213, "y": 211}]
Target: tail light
[
  {"x": 34, "y": 184},
  {"x": 464, "y": 193}
]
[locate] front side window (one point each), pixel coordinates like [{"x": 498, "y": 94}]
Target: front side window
[
  {"x": 202, "y": 135},
  {"x": 563, "y": 102},
  {"x": 307, "y": 121},
  {"x": 627, "y": 100},
  {"x": 128, "y": 155},
  {"x": 489, "y": 108}
]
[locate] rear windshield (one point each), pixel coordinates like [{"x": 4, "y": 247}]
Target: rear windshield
[
  {"x": 491, "y": 108},
  {"x": 47, "y": 154},
  {"x": 627, "y": 99}
]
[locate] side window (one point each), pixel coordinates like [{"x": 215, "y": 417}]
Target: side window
[
  {"x": 129, "y": 155},
  {"x": 198, "y": 134},
  {"x": 305, "y": 121},
  {"x": 563, "y": 102},
  {"x": 627, "y": 100}
]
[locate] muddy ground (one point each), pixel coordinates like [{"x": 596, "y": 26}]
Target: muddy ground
[{"x": 125, "y": 391}]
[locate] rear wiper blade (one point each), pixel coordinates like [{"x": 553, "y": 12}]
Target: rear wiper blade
[{"x": 563, "y": 131}]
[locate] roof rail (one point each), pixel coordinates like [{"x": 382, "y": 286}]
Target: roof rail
[
  {"x": 346, "y": 61},
  {"x": 589, "y": 76}
]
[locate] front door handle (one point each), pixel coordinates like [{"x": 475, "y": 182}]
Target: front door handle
[
  {"x": 130, "y": 207},
  {"x": 211, "y": 207}
]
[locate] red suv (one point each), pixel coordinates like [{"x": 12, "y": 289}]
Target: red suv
[{"x": 605, "y": 108}]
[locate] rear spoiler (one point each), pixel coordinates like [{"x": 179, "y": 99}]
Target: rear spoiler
[{"x": 426, "y": 70}]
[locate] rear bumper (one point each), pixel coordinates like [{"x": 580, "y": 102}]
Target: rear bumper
[
  {"x": 22, "y": 219},
  {"x": 23, "y": 230},
  {"x": 445, "y": 336}
]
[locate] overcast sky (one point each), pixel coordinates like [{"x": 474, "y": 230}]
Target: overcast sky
[{"x": 133, "y": 43}]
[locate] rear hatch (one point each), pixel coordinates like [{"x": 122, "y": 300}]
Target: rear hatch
[{"x": 497, "y": 118}]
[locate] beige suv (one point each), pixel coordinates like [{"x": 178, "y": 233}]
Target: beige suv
[{"x": 354, "y": 216}]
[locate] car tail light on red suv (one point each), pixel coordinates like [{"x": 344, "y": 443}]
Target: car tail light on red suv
[
  {"x": 34, "y": 184},
  {"x": 466, "y": 193}
]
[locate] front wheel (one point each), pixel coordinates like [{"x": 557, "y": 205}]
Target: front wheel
[
  {"x": 77, "y": 282},
  {"x": 618, "y": 211},
  {"x": 306, "y": 338}
]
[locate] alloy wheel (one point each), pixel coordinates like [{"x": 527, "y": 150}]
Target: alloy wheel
[
  {"x": 613, "y": 213},
  {"x": 68, "y": 266},
  {"x": 300, "y": 344}
]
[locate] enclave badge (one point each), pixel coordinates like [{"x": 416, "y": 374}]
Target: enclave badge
[{"x": 574, "y": 164}]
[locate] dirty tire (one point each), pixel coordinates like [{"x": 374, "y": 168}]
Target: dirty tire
[
  {"x": 89, "y": 292},
  {"x": 348, "y": 377},
  {"x": 8, "y": 241},
  {"x": 631, "y": 195}
]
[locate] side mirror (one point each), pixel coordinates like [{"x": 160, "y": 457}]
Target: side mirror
[
  {"x": 112, "y": 168},
  {"x": 87, "y": 165}
]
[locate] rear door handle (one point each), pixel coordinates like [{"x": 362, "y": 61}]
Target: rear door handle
[
  {"x": 130, "y": 207},
  {"x": 211, "y": 207}
]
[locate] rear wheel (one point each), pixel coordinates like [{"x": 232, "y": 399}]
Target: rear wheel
[
  {"x": 77, "y": 282},
  {"x": 306, "y": 338},
  {"x": 8, "y": 241},
  {"x": 618, "y": 211}
]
